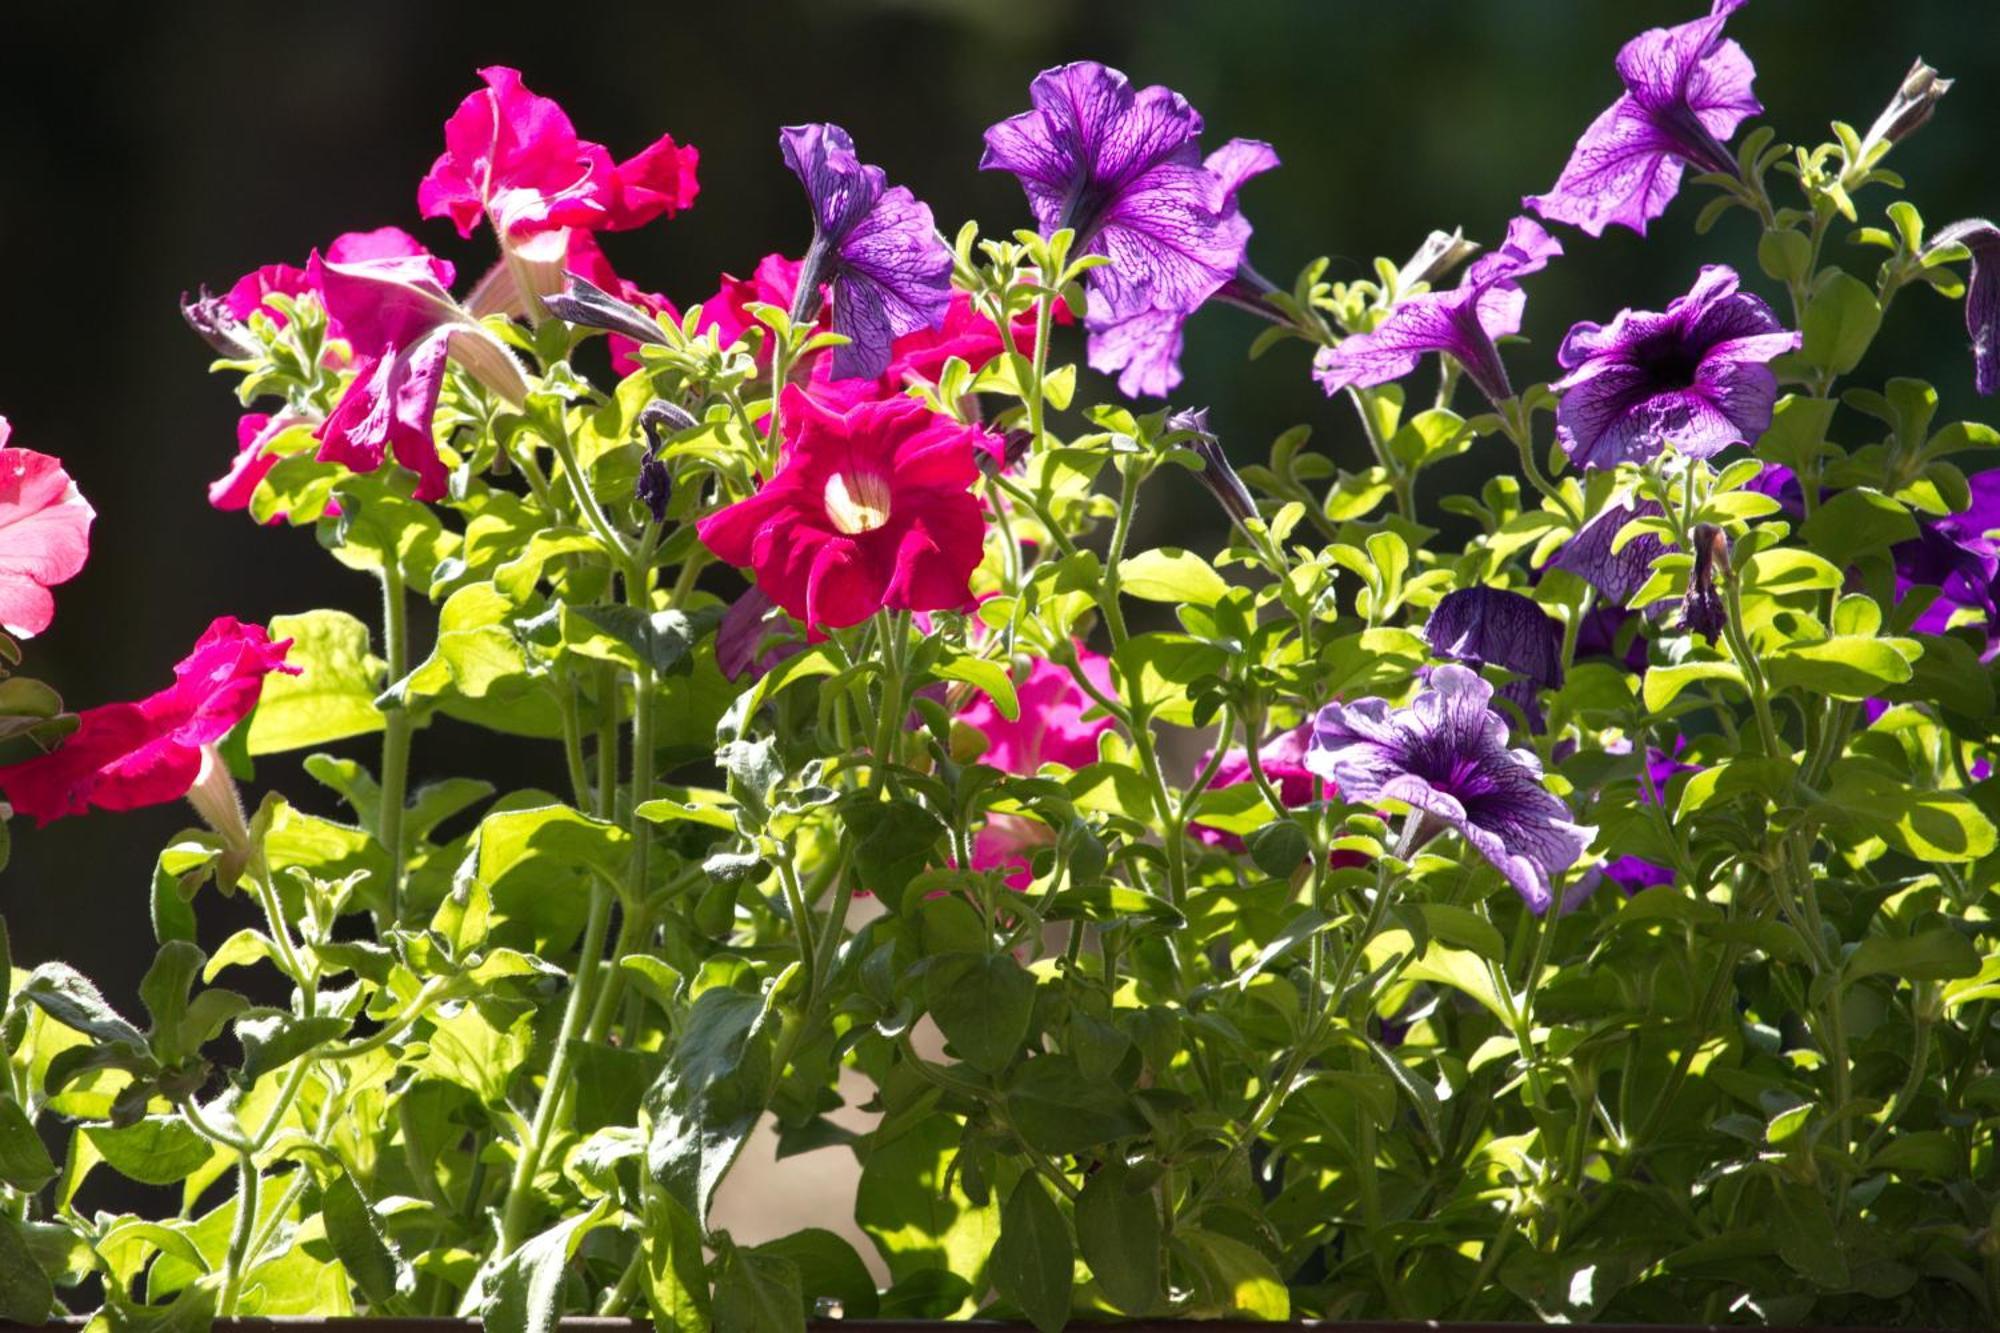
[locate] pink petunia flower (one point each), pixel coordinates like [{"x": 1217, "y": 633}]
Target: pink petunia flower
[
  {"x": 126, "y": 755},
  {"x": 1055, "y": 726},
  {"x": 44, "y": 535},
  {"x": 250, "y": 294},
  {"x": 513, "y": 158},
  {"x": 869, "y": 509}
]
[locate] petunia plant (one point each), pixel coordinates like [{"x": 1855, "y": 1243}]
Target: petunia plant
[{"x": 1565, "y": 901}]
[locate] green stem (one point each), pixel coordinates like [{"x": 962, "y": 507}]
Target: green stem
[
  {"x": 1044, "y": 323},
  {"x": 395, "y": 734},
  {"x": 239, "y": 1236}
]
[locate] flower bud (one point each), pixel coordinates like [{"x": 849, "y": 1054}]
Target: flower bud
[
  {"x": 1912, "y": 106},
  {"x": 583, "y": 302},
  {"x": 1702, "y": 611},
  {"x": 214, "y": 798},
  {"x": 213, "y": 322},
  {"x": 1013, "y": 448},
  {"x": 1441, "y": 252},
  {"x": 1216, "y": 472}
]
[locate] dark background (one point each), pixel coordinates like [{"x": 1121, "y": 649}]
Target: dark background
[{"x": 147, "y": 149}]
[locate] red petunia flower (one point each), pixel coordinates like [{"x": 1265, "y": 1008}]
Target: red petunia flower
[
  {"x": 44, "y": 535},
  {"x": 869, "y": 509},
  {"x": 126, "y": 755}
]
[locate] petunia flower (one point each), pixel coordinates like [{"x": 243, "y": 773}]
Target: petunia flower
[
  {"x": 126, "y": 755},
  {"x": 1954, "y": 554},
  {"x": 1462, "y": 322},
  {"x": 513, "y": 159},
  {"x": 1687, "y": 88},
  {"x": 1696, "y": 376},
  {"x": 1634, "y": 874},
  {"x": 868, "y": 509},
  {"x": 1445, "y": 756},
  {"x": 1481, "y": 626},
  {"x": 1054, "y": 726},
  {"x": 1615, "y": 574},
  {"x": 44, "y": 535},
  {"x": 1982, "y": 296},
  {"x": 1124, "y": 171},
  {"x": 402, "y": 324},
  {"x": 1283, "y": 759},
  {"x": 234, "y": 489},
  {"x": 876, "y": 249}
]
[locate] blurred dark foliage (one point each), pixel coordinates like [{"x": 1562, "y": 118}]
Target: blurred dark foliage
[{"x": 148, "y": 149}]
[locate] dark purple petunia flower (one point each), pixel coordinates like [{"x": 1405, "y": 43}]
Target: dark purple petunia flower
[
  {"x": 1461, "y": 323},
  {"x": 1982, "y": 296},
  {"x": 748, "y": 641},
  {"x": 1124, "y": 171},
  {"x": 875, "y": 248},
  {"x": 1687, "y": 88},
  {"x": 1955, "y": 555},
  {"x": 1481, "y": 626},
  {"x": 1445, "y": 756},
  {"x": 1696, "y": 376},
  {"x": 1615, "y": 574}
]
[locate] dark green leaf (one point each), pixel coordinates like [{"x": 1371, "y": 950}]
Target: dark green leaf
[
  {"x": 159, "y": 1150},
  {"x": 24, "y": 1160},
  {"x": 1033, "y": 1261},
  {"x": 1118, "y": 1228},
  {"x": 26, "y": 1296},
  {"x": 525, "y": 1291},
  {"x": 757, "y": 1292},
  {"x": 710, "y": 1096},
  {"x": 1056, "y": 1109},
  {"x": 828, "y": 1268},
  {"x": 358, "y": 1241},
  {"x": 983, "y": 1004}
]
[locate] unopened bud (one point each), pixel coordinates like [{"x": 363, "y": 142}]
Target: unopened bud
[
  {"x": 1441, "y": 252},
  {"x": 583, "y": 302},
  {"x": 1912, "y": 106},
  {"x": 1216, "y": 472},
  {"x": 214, "y": 798},
  {"x": 1013, "y": 448}
]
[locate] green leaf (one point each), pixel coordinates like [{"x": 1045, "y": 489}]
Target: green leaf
[
  {"x": 332, "y": 697},
  {"x": 1170, "y": 574},
  {"x": 708, "y": 1099},
  {"x": 983, "y": 1004},
  {"x": 1797, "y": 435},
  {"x": 676, "y": 1272},
  {"x": 524, "y": 1292},
  {"x": 1118, "y": 1229},
  {"x": 1157, "y": 670},
  {"x": 1856, "y": 522},
  {"x": 1840, "y": 322},
  {"x": 24, "y": 1159},
  {"x": 989, "y": 677},
  {"x": 828, "y": 1268},
  {"x": 1805, "y": 1235},
  {"x": 893, "y": 842},
  {"x": 358, "y": 1241},
  {"x": 1665, "y": 683},
  {"x": 1230, "y": 1278},
  {"x": 662, "y": 640},
  {"x": 1057, "y": 1110},
  {"x": 65, "y": 995},
  {"x": 757, "y": 1292},
  {"x": 1927, "y": 825},
  {"x": 1845, "y": 666},
  {"x": 1932, "y": 955},
  {"x": 26, "y": 1295},
  {"x": 1033, "y": 1261},
  {"x": 915, "y": 1208},
  {"x": 275, "y": 1040},
  {"x": 158, "y": 1150},
  {"x": 1784, "y": 570}
]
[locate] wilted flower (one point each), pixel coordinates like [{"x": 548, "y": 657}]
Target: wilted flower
[
  {"x": 1615, "y": 574},
  {"x": 1982, "y": 296},
  {"x": 1702, "y": 611},
  {"x": 1696, "y": 376},
  {"x": 1910, "y": 109},
  {"x": 876, "y": 249},
  {"x": 868, "y": 509},
  {"x": 1054, "y": 726},
  {"x": 1441, "y": 252},
  {"x": 1124, "y": 171},
  {"x": 213, "y": 322},
  {"x": 1461, "y": 323},
  {"x": 1445, "y": 756},
  {"x": 513, "y": 158},
  {"x": 1483, "y": 626},
  {"x": 126, "y": 755},
  {"x": 44, "y": 535},
  {"x": 1687, "y": 88}
]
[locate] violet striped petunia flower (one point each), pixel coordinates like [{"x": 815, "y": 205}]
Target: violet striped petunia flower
[
  {"x": 1982, "y": 296},
  {"x": 1445, "y": 756},
  {"x": 1123, "y": 169},
  {"x": 1615, "y": 574},
  {"x": 1482, "y": 626},
  {"x": 1462, "y": 322},
  {"x": 874, "y": 247},
  {"x": 1687, "y": 88},
  {"x": 1696, "y": 375}
]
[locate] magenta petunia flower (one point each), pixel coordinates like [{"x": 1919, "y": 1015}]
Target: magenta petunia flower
[
  {"x": 1687, "y": 88},
  {"x": 868, "y": 509},
  {"x": 1124, "y": 171},
  {"x": 876, "y": 249},
  {"x": 1615, "y": 574},
  {"x": 254, "y": 430},
  {"x": 514, "y": 159},
  {"x": 1982, "y": 296},
  {"x": 1058, "y": 724},
  {"x": 127, "y": 755},
  {"x": 1462, "y": 323},
  {"x": 1283, "y": 759},
  {"x": 1696, "y": 376},
  {"x": 1445, "y": 756},
  {"x": 44, "y": 535},
  {"x": 1481, "y": 626}
]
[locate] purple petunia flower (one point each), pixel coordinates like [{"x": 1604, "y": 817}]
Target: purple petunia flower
[
  {"x": 1982, "y": 296},
  {"x": 1632, "y": 874},
  {"x": 1696, "y": 376},
  {"x": 1615, "y": 574},
  {"x": 1124, "y": 171},
  {"x": 1955, "y": 555},
  {"x": 1481, "y": 626},
  {"x": 1461, "y": 323},
  {"x": 1445, "y": 755},
  {"x": 875, "y": 247},
  {"x": 1687, "y": 88}
]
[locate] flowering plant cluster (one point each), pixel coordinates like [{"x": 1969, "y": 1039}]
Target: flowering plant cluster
[{"x": 1579, "y": 917}]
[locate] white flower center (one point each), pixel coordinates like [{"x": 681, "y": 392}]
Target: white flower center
[{"x": 857, "y": 503}]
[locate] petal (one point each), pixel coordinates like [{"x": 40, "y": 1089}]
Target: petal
[
  {"x": 846, "y": 584},
  {"x": 1143, "y": 350},
  {"x": 894, "y": 278},
  {"x": 1623, "y": 170}
]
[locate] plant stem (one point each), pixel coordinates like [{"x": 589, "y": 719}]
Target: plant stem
[
  {"x": 239, "y": 1236},
  {"x": 395, "y": 735}
]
